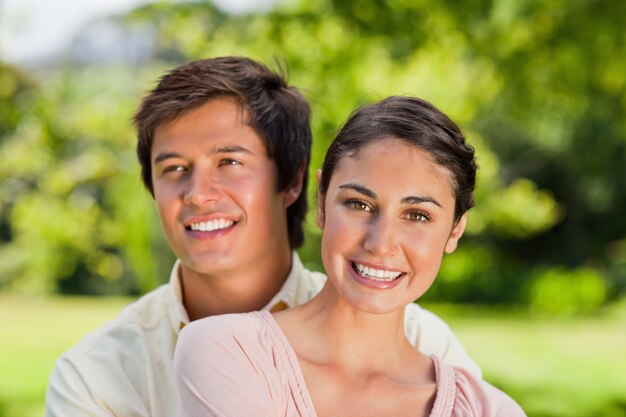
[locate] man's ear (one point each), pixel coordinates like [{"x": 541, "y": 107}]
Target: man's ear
[
  {"x": 455, "y": 234},
  {"x": 320, "y": 200},
  {"x": 293, "y": 191}
]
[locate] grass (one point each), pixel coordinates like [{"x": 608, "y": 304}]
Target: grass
[
  {"x": 35, "y": 332},
  {"x": 553, "y": 367},
  {"x": 574, "y": 367}
]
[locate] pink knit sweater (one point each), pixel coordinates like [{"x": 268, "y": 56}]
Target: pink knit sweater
[{"x": 240, "y": 365}]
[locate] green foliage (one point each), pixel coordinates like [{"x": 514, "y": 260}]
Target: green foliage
[
  {"x": 79, "y": 220},
  {"x": 565, "y": 292},
  {"x": 537, "y": 86},
  {"x": 526, "y": 211}
]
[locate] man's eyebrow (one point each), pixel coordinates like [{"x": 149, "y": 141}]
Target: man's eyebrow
[
  {"x": 218, "y": 150},
  {"x": 419, "y": 200},
  {"x": 232, "y": 149},
  {"x": 163, "y": 156},
  {"x": 360, "y": 189}
]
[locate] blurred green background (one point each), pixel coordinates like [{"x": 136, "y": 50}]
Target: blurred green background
[{"x": 538, "y": 86}]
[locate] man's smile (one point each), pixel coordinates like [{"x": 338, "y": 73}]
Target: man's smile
[{"x": 210, "y": 225}]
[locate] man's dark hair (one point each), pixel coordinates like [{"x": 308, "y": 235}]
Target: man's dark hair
[
  {"x": 277, "y": 112},
  {"x": 418, "y": 123}
]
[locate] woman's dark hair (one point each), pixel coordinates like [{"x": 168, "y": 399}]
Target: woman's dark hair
[
  {"x": 277, "y": 112},
  {"x": 417, "y": 123}
]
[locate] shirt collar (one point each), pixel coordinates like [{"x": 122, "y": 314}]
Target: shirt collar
[
  {"x": 179, "y": 315},
  {"x": 284, "y": 298}
]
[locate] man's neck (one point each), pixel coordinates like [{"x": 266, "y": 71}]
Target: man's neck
[{"x": 249, "y": 288}]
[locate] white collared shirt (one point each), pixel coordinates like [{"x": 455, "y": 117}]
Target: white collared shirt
[{"x": 125, "y": 368}]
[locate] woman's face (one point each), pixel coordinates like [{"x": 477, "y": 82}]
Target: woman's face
[{"x": 387, "y": 217}]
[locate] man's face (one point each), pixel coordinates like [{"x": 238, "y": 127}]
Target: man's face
[{"x": 215, "y": 191}]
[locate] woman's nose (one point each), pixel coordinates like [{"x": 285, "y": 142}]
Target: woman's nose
[{"x": 380, "y": 239}]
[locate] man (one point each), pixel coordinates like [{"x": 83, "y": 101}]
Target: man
[{"x": 224, "y": 146}]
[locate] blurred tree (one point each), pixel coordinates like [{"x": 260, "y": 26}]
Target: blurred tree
[
  {"x": 78, "y": 220},
  {"x": 560, "y": 123},
  {"x": 534, "y": 84},
  {"x": 16, "y": 94}
]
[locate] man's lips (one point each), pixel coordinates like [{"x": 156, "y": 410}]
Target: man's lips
[{"x": 210, "y": 225}]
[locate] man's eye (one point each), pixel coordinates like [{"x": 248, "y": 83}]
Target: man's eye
[
  {"x": 174, "y": 168},
  {"x": 228, "y": 161},
  {"x": 417, "y": 216}
]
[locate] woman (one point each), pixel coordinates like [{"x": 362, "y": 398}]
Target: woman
[{"x": 393, "y": 195}]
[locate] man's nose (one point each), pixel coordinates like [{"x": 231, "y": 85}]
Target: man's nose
[{"x": 202, "y": 188}]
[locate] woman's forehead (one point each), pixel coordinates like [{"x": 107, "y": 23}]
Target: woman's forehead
[{"x": 391, "y": 159}]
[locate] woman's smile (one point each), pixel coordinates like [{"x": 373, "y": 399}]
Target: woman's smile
[
  {"x": 387, "y": 217},
  {"x": 370, "y": 272},
  {"x": 376, "y": 278}
]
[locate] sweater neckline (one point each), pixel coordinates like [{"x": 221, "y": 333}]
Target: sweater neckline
[{"x": 444, "y": 375}]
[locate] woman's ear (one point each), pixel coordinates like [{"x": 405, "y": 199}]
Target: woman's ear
[
  {"x": 455, "y": 234},
  {"x": 295, "y": 188},
  {"x": 320, "y": 200}
]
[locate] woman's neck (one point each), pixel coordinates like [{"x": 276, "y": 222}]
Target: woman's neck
[
  {"x": 358, "y": 363},
  {"x": 329, "y": 331}
]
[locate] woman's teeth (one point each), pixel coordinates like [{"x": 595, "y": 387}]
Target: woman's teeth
[{"x": 375, "y": 274}]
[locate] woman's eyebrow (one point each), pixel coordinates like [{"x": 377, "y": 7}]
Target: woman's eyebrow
[
  {"x": 360, "y": 189},
  {"x": 406, "y": 200},
  {"x": 419, "y": 200}
]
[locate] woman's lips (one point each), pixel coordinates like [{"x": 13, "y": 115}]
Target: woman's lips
[{"x": 378, "y": 278}]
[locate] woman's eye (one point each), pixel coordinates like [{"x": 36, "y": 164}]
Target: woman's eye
[
  {"x": 417, "y": 216},
  {"x": 357, "y": 205}
]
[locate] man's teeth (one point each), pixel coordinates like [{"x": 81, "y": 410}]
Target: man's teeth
[
  {"x": 212, "y": 225},
  {"x": 376, "y": 274}
]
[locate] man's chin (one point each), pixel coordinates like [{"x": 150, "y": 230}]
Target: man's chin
[{"x": 208, "y": 265}]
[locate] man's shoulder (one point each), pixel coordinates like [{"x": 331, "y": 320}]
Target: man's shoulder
[
  {"x": 108, "y": 368},
  {"x": 425, "y": 330},
  {"x": 138, "y": 317},
  {"x": 317, "y": 278},
  {"x": 149, "y": 310},
  {"x": 312, "y": 279},
  {"x": 421, "y": 318},
  {"x": 431, "y": 335}
]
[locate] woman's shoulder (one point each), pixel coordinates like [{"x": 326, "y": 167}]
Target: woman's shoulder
[
  {"x": 227, "y": 322},
  {"x": 468, "y": 395},
  {"x": 242, "y": 331},
  {"x": 231, "y": 364}
]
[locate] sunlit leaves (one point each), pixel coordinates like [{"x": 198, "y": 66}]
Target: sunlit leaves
[
  {"x": 564, "y": 292},
  {"x": 520, "y": 210},
  {"x": 537, "y": 86}
]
